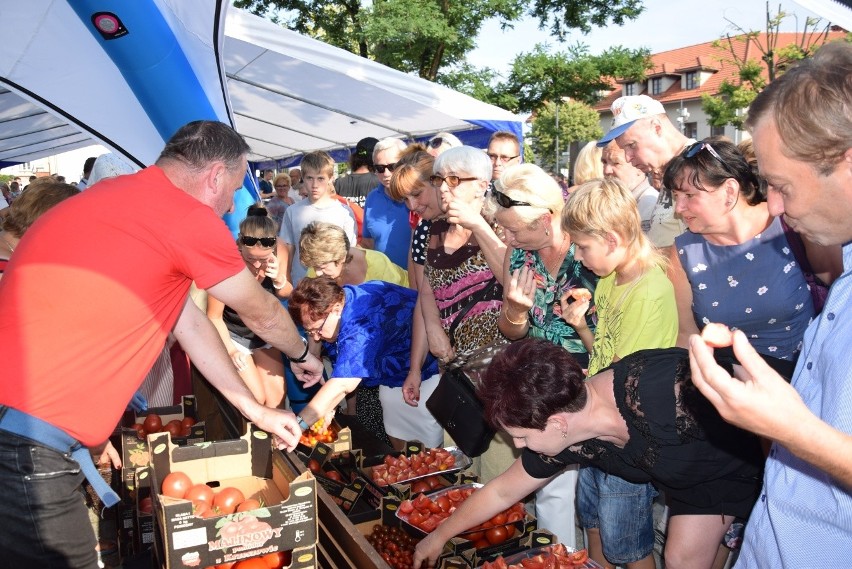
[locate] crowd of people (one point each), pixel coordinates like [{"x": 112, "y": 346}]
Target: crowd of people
[{"x": 604, "y": 394}]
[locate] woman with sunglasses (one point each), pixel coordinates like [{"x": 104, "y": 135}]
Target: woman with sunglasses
[
  {"x": 538, "y": 271},
  {"x": 386, "y": 224},
  {"x": 259, "y": 364},
  {"x": 735, "y": 264},
  {"x": 366, "y": 331}
]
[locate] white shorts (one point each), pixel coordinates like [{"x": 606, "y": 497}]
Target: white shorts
[{"x": 402, "y": 421}]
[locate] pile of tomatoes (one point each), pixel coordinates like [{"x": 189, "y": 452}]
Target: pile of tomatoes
[
  {"x": 394, "y": 545},
  {"x": 277, "y": 560},
  {"x": 400, "y": 468},
  {"x": 554, "y": 556},
  {"x": 318, "y": 433},
  {"x": 205, "y": 502},
  {"x": 153, "y": 423},
  {"x": 427, "y": 513}
]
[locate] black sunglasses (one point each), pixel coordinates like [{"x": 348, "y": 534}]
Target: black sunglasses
[
  {"x": 505, "y": 201},
  {"x": 380, "y": 168},
  {"x": 436, "y": 142},
  {"x": 267, "y": 242},
  {"x": 697, "y": 147}
]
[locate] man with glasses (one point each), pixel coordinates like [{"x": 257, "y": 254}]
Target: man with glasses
[
  {"x": 86, "y": 306},
  {"x": 504, "y": 150},
  {"x": 386, "y": 221},
  {"x": 650, "y": 140}
]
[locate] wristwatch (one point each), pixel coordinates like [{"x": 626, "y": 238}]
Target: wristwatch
[
  {"x": 302, "y": 423},
  {"x": 301, "y": 359}
]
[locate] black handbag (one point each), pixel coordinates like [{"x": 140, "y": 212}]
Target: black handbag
[{"x": 454, "y": 403}]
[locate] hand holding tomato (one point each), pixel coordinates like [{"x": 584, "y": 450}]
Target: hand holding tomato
[
  {"x": 411, "y": 388},
  {"x": 574, "y": 312}
]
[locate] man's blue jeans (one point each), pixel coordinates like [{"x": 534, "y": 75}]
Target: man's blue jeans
[{"x": 43, "y": 518}]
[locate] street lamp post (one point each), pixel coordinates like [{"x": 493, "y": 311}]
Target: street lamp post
[{"x": 556, "y": 148}]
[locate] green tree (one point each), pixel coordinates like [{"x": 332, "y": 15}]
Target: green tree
[
  {"x": 577, "y": 122},
  {"x": 538, "y": 76},
  {"x": 754, "y": 74},
  {"x": 428, "y": 36}
]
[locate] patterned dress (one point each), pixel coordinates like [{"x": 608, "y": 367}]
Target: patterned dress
[
  {"x": 756, "y": 287},
  {"x": 546, "y": 314},
  {"x": 456, "y": 276}
]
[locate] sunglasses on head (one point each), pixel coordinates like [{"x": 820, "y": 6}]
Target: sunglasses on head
[
  {"x": 697, "y": 147},
  {"x": 267, "y": 242},
  {"x": 506, "y": 202},
  {"x": 452, "y": 181},
  {"x": 436, "y": 142},
  {"x": 380, "y": 168}
]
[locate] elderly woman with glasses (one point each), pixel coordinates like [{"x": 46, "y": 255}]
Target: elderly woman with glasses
[
  {"x": 259, "y": 364},
  {"x": 366, "y": 331},
  {"x": 539, "y": 270},
  {"x": 736, "y": 264}
]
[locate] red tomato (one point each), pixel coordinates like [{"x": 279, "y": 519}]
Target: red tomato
[
  {"x": 314, "y": 466},
  {"x": 152, "y": 423},
  {"x": 176, "y": 484},
  {"x": 406, "y": 507},
  {"x": 475, "y": 535},
  {"x": 429, "y": 524},
  {"x": 455, "y": 495},
  {"x": 278, "y": 560},
  {"x": 579, "y": 557},
  {"x": 481, "y": 543},
  {"x": 496, "y": 535},
  {"x": 200, "y": 494},
  {"x": 499, "y": 519},
  {"x": 444, "y": 503},
  {"x": 333, "y": 475},
  {"x": 187, "y": 422},
  {"x": 173, "y": 427},
  {"x": 247, "y": 505},
  {"x": 227, "y": 500},
  {"x": 251, "y": 563},
  {"x": 420, "y": 486},
  {"x": 415, "y": 518},
  {"x": 434, "y": 482},
  {"x": 146, "y": 505}
]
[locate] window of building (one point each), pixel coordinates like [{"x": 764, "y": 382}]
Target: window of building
[
  {"x": 656, "y": 85},
  {"x": 629, "y": 89},
  {"x": 717, "y": 131},
  {"x": 692, "y": 80},
  {"x": 690, "y": 129}
]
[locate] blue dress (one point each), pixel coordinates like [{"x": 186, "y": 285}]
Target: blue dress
[
  {"x": 756, "y": 287},
  {"x": 374, "y": 341}
]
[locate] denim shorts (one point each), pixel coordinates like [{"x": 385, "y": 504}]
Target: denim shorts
[{"x": 620, "y": 510}]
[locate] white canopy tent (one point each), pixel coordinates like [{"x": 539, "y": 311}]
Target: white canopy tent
[{"x": 286, "y": 93}]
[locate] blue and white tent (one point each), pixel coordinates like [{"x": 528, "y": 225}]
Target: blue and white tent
[{"x": 128, "y": 74}]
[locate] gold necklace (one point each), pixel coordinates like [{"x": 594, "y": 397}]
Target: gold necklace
[
  {"x": 560, "y": 257},
  {"x": 9, "y": 245}
]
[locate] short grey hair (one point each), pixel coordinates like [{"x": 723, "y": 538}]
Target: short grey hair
[{"x": 464, "y": 160}]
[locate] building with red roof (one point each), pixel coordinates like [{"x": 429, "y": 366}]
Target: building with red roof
[{"x": 681, "y": 76}]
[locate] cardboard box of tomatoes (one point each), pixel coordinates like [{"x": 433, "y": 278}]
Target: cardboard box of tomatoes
[
  {"x": 134, "y": 446},
  {"x": 227, "y": 501}
]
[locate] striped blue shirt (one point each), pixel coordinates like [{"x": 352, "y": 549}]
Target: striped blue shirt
[{"x": 803, "y": 517}]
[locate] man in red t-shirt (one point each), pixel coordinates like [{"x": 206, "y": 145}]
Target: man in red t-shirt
[{"x": 85, "y": 308}]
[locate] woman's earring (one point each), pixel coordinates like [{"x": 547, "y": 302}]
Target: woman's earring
[
  {"x": 564, "y": 434},
  {"x": 547, "y": 231}
]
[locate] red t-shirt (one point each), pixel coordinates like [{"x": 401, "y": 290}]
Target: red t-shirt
[{"x": 92, "y": 291}]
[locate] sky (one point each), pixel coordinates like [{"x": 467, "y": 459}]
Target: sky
[{"x": 664, "y": 25}]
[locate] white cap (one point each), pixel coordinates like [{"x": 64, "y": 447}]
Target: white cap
[{"x": 628, "y": 110}]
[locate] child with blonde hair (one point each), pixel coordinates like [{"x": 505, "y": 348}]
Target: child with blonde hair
[{"x": 636, "y": 310}]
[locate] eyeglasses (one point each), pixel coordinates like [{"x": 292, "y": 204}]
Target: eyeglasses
[
  {"x": 380, "y": 168},
  {"x": 318, "y": 330},
  {"x": 452, "y": 181},
  {"x": 436, "y": 142},
  {"x": 281, "y": 186},
  {"x": 267, "y": 242},
  {"x": 500, "y": 158},
  {"x": 697, "y": 147}
]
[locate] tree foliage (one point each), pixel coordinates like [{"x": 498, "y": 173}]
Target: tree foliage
[
  {"x": 538, "y": 76},
  {"x": 754, "y": 74},
  {"x": 429, "y": 36},
  {"x": 577, "y": 122}
]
